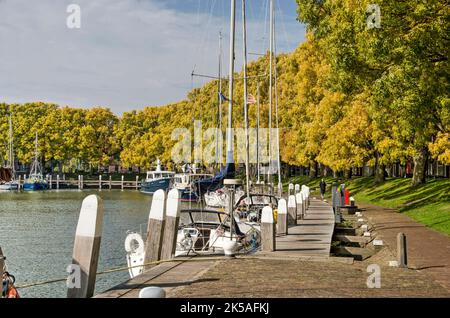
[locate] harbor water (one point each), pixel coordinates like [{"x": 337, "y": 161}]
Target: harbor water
[{"x": 37, "y": 233}]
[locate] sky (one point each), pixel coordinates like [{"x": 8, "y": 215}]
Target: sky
[{"x": 127, "y": 54}]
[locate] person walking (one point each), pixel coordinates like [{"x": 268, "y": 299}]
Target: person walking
[{"x": 323, "y": 188}]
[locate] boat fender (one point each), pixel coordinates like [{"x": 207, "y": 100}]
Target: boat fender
[
  {"x": 134, "y": 243},
  {"x": 275, "y": 215}
]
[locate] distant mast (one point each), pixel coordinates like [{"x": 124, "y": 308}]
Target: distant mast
[
  {"x": 219, "y": 146},
  {"x": 36, "y": 162},
  {"x": 270, "y": 91},
  {"x": 247, "y": 142},
  {"x": 230, "y": 153},
  {"x": 11, "y": 145},
  {"x": 277, "y": 115}
]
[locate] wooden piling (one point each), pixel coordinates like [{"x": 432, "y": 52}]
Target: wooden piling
[
  {"x": 292, "y": 210},
  {"x": 82, "y": 182},
  {"x": 20, "y": 182},
  {"x": 50, "y": 182},
  {"x": 402, "y": 255},
  {"x": 86, "y": 248},
  {"x": 155, "y": 227},
  {"x": 282, "y": 219},
  {"x": 79, "y": 182},
  {"x": 173, "y": 208},
  {"x": 2, "y": 263},
  {"x": 299, "y": 201},
  {"x": 268, "y": 241}
]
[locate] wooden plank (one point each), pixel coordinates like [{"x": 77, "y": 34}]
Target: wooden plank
[{"x": 313, "y": 234}]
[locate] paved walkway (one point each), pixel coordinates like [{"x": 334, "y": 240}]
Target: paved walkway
[
  {"x": 428, "y": 250},
  {"x": 312, "y": 236},
  {"x": 308, "y": 271}
]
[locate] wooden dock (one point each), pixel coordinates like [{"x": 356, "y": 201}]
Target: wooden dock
[
  {"x": 57, "y": 182},
  {"x": 309, "y": 240},
  {"x": 311, "y": 236}
]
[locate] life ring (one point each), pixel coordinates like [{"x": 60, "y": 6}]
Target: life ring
[{"x": 134, "y": 243}]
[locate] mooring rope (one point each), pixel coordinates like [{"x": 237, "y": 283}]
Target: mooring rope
[{"x": 124, "y": 268}]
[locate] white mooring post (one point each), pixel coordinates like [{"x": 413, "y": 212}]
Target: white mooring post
[
  {"x": 291, "y": 189},
  {"x": 82, "y": 182},
  {"x": 268, "y": 242},
  {"x": 110, "y": 182},
  {"x": 50, "y": 182},
  {"x": 155, "y": 227},
  {"x": 20, "y": 181},
  {"x": 173, "y": 208},
  {"x": 79, "y": 182},
  {"x": 299, "y": 200},
  {"x": 282, "y": 221},
  {"x": 137, "y": 183},
  {"x": 100, "y": 182},
  {"x": 292, "y": 210},
  {"x": 86, "y": 248},
  {"x": 121, "y": 186},
  {"x": 57, "y": 182},
  {"x": 297, "y": 188}
]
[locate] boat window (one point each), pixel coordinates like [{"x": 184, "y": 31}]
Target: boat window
[{"x": 206, "y": 217}]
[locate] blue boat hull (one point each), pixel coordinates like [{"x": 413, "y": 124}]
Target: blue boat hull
[
  {"x": 189, "y": 196},
  {"x": 153, "y": 186},
  {"x": 36, "y": 186}
]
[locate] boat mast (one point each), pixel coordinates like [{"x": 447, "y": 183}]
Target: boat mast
[
  {"x": 247, "y": 142},
  {"x": 270, "y": 91},
  {"x": 219, "y": 116},
  {"x": 11, "y": 149},
  {"x": 230, "y": 155},
  {"x": 276, "y": 115},
  {"x": 257, "y": 133},
  {"x": 36, "y": 155}
]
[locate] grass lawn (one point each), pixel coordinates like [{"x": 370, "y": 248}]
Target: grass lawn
[{"x": 428, "y": 204}]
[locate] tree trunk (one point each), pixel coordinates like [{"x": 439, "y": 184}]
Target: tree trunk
[
  {"x": 420, "y": 167},
  {"x": 379, "y": 170},
  {"x": 348, "y": 174},
  {"x": 313, "y": 169}
]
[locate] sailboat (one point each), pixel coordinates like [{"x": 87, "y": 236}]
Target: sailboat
[
  {"x": 35, "y": 181},
  {"x": 8, "y": 175}
]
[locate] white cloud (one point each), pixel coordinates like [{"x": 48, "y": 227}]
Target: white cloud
[{"x": 127, "y": 54}]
